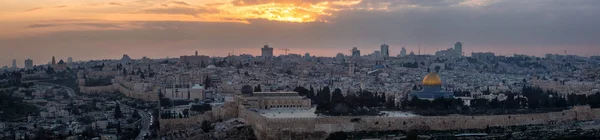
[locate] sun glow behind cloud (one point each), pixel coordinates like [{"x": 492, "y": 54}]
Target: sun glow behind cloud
[{"x": 26, "y": 17}]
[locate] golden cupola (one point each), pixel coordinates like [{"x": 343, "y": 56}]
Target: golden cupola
[{"x": 432, "y": 79}]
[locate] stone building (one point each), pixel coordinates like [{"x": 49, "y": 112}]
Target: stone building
[
  {"x": 269, "y": 100},
  {"x": 432, "y": 88}
]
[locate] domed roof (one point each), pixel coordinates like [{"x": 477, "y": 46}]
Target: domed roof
[
  {"x": 432, "y": 79},
  {"x": 211, "y": 67},
  {"x": 247, "y": 89}
]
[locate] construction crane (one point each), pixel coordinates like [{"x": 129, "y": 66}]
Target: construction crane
[{"x": 286, "y": 50}]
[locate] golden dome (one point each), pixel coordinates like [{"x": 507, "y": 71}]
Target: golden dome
[{"x": 432, "y": 79}]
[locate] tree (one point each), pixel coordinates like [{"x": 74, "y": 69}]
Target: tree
[
  {"x": 302, "y": 91},
  {"x": 324, "y": 96},
  {"x": 339, "y": 109},
  {"x": 479, "y": 103},
  {"x": 118, "y": 128},
  {"x": 207, "y": 82},
  {"x": 382, "y": 98},
  {"x": 338, "y": 136},
  {"x": 117, "y": 113},
  {"x": 201, "y": 108},
  {"x": 404, "y": 104},
  {"x": 311, "y": 93},
  {"x": 495, "y": 104},
  {"x": 142, "y": 75},
  {"x": 390, "y": 103},
  {"x": 337, "y": 97},
  {"x": 206, "y": 126},
  {"x": 257, "y": 89}
]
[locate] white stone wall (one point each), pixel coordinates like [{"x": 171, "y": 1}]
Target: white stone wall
[{"x": 274, "y": 128}]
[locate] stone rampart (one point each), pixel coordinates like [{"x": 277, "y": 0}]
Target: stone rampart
[
  {"x": 147, "y": 96},
  {"x": 96, "y": 89},
  {"x": 278, "y": 128},
  {"x": 184, "y": 123}
]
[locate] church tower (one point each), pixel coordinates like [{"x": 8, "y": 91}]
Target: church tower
[{"x": 53, "y": 61}]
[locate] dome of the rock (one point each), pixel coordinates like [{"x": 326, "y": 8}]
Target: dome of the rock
[{"x": 432, "y": 79}]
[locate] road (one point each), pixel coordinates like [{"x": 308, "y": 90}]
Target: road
[
  {"x": 145, "y": 115},
  {"x": 70, "y": 91},
  {"x": 145, "y": 124}
]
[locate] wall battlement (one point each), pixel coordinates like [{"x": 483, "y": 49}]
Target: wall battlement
[{"x": 314, "y": 128}]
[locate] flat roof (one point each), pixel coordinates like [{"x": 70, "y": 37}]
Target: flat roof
[
  {"x": 288, "y": 113},
  {"x": 276, "y": 94},
  {"x": 310, "y": 113}
]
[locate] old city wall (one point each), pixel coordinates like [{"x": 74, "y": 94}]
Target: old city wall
[
  {"x": 312, "y": 128},
  {"x": 225, "y": 112},
  {"x": 146, "y": 96},
  {"x": 96, "y": 89},
  {"x": 96, "y": 74},
  {"x": 183, "y": 123}
]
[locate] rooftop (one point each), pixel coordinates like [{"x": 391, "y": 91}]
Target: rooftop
[{"x": 288, "y": 113}]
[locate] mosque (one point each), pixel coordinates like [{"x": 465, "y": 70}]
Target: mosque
[
  {"x": 432, "y": 88},
  {"x": 271, "y": 100}
]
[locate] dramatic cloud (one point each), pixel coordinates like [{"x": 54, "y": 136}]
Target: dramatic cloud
[
  {"x": 160, "y": 28},
  {"x": 42, "y": 25},
  {"x": 33, "y": 9}
]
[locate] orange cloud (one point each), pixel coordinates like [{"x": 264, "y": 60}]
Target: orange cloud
[
  {"x": 239, "y": 11},
  {"x": 33, "y": 9}
]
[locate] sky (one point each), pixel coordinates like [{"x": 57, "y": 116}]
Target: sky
[{"x": 107, "y": 29}]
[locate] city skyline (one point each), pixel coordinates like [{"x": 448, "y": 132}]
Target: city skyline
[
  {"x": 92, "y": 30},
  {"x": 277, "y": 52}
]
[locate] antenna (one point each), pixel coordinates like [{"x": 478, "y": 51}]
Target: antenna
[{"x": 419, "y": 49}]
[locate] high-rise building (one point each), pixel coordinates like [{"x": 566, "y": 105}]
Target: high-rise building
[
  {"x": 458, "y": 48},
  {"x": 355, "y": 52},
  {"x": 70, "y": 60},
  {"x": 385, "y": 50},
  {"x": 14, "y": 64},
  {"x": 403, "y": 52},
  {"x": 28, "y": 64},
  {"x": 377, "y": 54},
  {"x": 267, "y": 51}
]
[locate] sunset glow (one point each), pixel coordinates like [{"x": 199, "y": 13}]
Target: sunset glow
[
  {"x": 42, "y": 17},
  {"x": 94, "y": 29}
]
